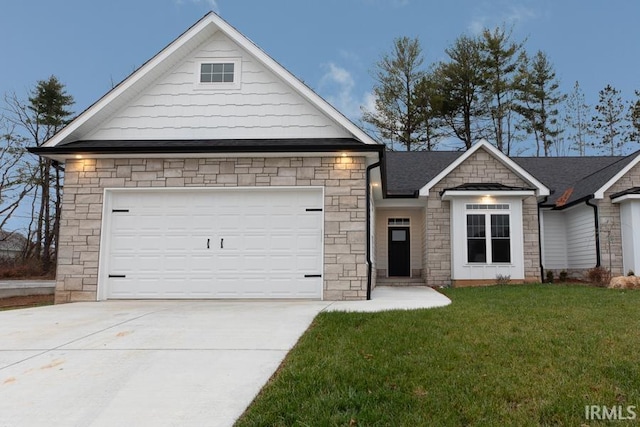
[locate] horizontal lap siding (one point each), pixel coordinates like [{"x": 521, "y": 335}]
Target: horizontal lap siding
[
  {"x": 581, "y": 243},
  {"x": 174, "y": 106},
  {"x": 554, "y": 240}
]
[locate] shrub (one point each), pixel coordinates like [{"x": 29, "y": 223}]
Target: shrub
[
  {"x": 630, "y": 273},
  {"x": 549, "y": 276},
  {"x": 503, "y": 279},
  {"x": 23, "y": 269},
  {"x": 599, "y": 276},
  {"x": 563, "y": 276}
]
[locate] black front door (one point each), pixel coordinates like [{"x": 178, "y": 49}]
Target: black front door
[{"x": 399, "y": 254}]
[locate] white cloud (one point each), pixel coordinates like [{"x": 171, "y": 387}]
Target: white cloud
[
  {"x": 338, "y": 87},
  {"x": 519, "y": 14},
  {"x": 494, "y": 14},
  {"x": 478, "y": 24},
  {"x": 211, "y": 4}
]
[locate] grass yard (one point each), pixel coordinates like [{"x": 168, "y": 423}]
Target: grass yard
[{"x": 498, "y": 356}]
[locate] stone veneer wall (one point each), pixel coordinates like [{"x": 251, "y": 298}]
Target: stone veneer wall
[
  {"x": 480, "y": 167},
  {"x": 345, "y": 269},
  {"x": 610, "y": 223}
]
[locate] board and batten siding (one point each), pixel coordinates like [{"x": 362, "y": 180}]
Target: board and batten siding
[
  {"x": 176, "y": 106},
  {"x": 581, "y": 237},
  {"x": 554, "y": 240}
]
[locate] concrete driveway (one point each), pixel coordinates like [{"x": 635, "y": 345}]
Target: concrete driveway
[{"x": 160, "y": 363}]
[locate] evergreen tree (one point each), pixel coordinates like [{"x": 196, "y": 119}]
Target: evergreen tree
[
  {"x": 459, "y": 83},
  {"x": 634, "y": 119},
  {"x": 538, "y": 100},
  {"x": 400, "y": 107},
  {"x": 500, "y": 56},
  {"x": 609, "y": 124},
  {"x": 45, "y": 114}
]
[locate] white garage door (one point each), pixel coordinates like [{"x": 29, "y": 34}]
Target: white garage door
[{"x": 223, "y": 243}]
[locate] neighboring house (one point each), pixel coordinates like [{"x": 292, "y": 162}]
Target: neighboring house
[
  {"x": 212, "y": 172},
  {"x": 12, "y": 244}
]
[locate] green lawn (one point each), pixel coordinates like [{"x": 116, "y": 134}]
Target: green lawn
[{"x": 498, "y": 356}]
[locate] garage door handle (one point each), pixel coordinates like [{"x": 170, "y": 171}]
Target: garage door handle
[
  {"x": 208, "y": 240},
  {"x": 221, "y": 243}
]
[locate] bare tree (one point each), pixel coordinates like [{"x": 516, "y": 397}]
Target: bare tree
[
  {"x": 45, "y": 113},
  {"x": 576, "y": 118},
  {"x": 15, "y": 173}
]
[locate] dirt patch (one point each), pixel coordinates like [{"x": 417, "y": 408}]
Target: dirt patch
[{"x": 25, "y": 301}]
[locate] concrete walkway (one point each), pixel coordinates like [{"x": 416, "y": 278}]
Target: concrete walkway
[{"x": 160, "y": 363}]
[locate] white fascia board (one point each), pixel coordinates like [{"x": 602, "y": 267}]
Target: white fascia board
[
  {"x": 242, "y": 41},
  {"x": 541, "y": 189},
  {"x": 599, "y": 194},
  {"x": 451, "y": 194},
  {"x": 293, "y": 81},
  {"x": 129, "y": 81},
  {"x": 625, "y": 198}
]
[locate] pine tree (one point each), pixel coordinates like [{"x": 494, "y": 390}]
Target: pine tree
[
  {"x": 609, "y": 124},
  {"x": 459, "y": 84},
  {"x": 634, "y": 119},
  {"x": 538, "y": 100},
  {"x": 45, "y": 114},
  {"x": 401, "y": 105},
  {"x": 500, "y": 55}
]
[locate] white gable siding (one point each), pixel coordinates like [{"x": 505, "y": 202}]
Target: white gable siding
[
  {"x": 581, "y": 242},
  {"x": 175, "y": 106},
  {"x": 554, "y": 240}
]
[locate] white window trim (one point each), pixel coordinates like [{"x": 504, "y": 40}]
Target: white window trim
[
  {"x": 398, "y": 222},
  {"x": 463, "y": 270},
  {"x": 488, "y": 236},
  {"x": 237, "y": 74}
]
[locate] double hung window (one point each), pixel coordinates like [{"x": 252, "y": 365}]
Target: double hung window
[{"x": 488, "y": 234}]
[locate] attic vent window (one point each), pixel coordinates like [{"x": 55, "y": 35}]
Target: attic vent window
[{"x": 217, "y": 72}]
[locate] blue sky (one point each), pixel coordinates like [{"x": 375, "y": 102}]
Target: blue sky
[{"x": 330, "y": 44}]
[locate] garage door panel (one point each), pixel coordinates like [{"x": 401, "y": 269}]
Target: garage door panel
[
  {"x": 270, "y": 242},
  {"x": 309, "y": 242},
  {"x": 308, "y": 264}
]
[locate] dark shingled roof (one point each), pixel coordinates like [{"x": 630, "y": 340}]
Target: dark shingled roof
[
  {"x": 573, "y": 179},
  {"x": 487, "y": 186},
  {"x": 408, "y": 172},
  {"x": 570, "y": 179}
]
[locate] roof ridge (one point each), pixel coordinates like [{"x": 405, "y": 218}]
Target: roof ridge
[{"x": 630, "y": 156}]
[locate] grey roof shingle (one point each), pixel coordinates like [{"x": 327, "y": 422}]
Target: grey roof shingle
[
  {"x": 408, "y": 172},
  {"x": 570, "y": 179}
]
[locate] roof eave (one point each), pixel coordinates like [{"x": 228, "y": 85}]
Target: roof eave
[
  {"x": 541, "y": 189},
  {"x": 62, "y": 153}
]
